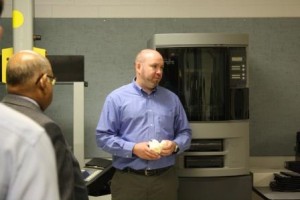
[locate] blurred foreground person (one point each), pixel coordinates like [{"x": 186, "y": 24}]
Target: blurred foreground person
[{"x": 27, "y": 162}]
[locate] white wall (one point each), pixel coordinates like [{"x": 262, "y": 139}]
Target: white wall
[{"x": 162, "y": 8}]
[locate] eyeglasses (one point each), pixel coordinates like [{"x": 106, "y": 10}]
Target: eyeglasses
[{"x": 52, "y": 79}]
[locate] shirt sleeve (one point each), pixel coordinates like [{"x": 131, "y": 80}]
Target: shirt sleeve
[
  {"x": 107, "y": 130},
  {"x": 183, "y": 133}
]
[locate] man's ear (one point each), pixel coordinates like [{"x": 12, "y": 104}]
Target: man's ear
[
  {"x": 138, "y": 66},
  {"x": 43, "y": 82}
]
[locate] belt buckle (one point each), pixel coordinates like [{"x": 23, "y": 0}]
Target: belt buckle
[{"x": 148, "y": 173}]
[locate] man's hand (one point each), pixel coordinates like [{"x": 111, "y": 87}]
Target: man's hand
[
  {"x": 168, "y": 148},
  {"x": 143, "y": 151}
]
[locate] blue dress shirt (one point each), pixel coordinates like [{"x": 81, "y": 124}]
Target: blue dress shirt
[{"x": 130, "y": 116}]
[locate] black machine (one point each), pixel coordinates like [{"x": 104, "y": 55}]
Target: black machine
[
  {"x": 295, "y": 165},
  {"x": 297, "y": 148},
  {"x": 289, "y": 181},
  {"x": 97, "y": 174}
]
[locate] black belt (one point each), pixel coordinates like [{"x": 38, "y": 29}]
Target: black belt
[{"x": 146, "y": 172}]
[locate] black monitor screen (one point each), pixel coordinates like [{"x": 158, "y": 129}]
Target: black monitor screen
[{"x": 67, "y": 68}]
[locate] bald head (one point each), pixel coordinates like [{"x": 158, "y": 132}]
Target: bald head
[
  {"x": 146, "y": 53},
  {"x": 149, "y": 66},
  {"x": 25, "y": 67},
  {"x": 28, "y": 75}
]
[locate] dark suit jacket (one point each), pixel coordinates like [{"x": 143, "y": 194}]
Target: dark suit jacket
[{"x": 71, "y": 183}]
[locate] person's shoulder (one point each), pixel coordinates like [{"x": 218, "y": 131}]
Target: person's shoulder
[
  {"x": 17, "y": 118},
  {"x": 121, "y": 90},
  {"x": 19, "y": 125},
  {"x": 38, "y": 116},
  {"x": 26, "y": 107},
  {"x": 166, "y": 91}
]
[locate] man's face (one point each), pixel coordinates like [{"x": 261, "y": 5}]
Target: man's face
[{"x": 151, "y": 71}]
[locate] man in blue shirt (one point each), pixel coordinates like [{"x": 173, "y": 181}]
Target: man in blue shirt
[{"x": 131, "y": 117}]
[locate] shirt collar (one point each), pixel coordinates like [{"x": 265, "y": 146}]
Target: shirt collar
[
  {"x": 140, "y": 89},
  {"x": 28, "y": 99}
]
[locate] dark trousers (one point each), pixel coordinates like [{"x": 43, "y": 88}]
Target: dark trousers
[{"x": 130, "y": 186}]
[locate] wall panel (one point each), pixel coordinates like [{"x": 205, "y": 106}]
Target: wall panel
[{"x": 110, "y": 45}]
